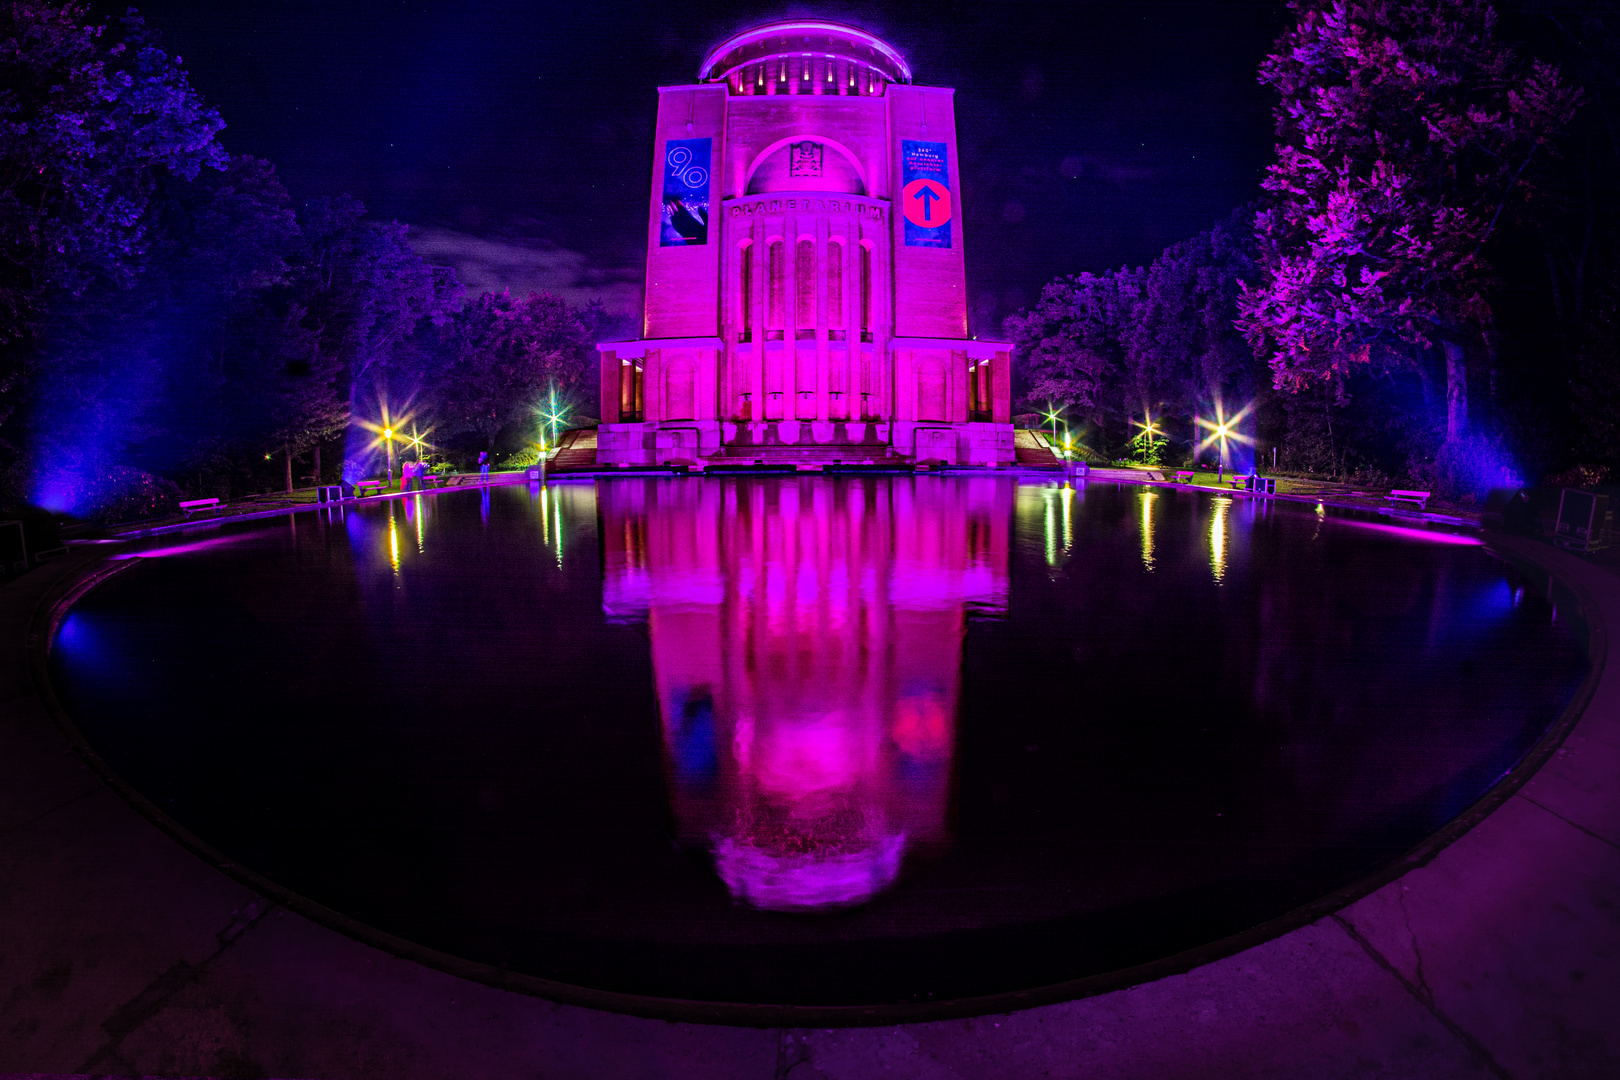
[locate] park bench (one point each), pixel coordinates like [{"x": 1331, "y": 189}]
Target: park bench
[
  {"x": 360, "y": 488},
  {"x": 1184, "y": 476},
  {"x": 192, "y": 506},
  {"x": 1400, "y": 496},
  {"x": 1260, "y": 485}
]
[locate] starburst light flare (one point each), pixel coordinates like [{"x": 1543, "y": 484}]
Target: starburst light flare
[{"x": 1222, "y": 429}]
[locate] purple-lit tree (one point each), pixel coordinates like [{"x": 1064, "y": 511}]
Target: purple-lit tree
[
  {"x": 506, "y": 356},
  {"x": 359, "y": 295},
  {"x": 1115, "y": 345},
  {"x": 1406, "y": 133},
  {"x": 1071, "y": 346}
]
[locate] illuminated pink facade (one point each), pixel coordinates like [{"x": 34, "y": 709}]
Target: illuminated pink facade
[
  {"x": 807, "y": 650},
  {"x": 805, "y": 283}
]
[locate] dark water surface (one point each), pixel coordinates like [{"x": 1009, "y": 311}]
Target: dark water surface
[{"x": 816, "y": 741}]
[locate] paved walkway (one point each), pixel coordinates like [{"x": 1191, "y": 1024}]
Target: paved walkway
[{"x": 122, "y": 953}]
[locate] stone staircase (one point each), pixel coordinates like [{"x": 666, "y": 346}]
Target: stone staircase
[
  {"x": 576, "y": 450},
  {"x": 1031, "y": 451},
  {"x": 814, "y": 454}
]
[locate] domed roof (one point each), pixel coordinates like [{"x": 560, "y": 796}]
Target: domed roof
[{"x": 797, "y": 38}]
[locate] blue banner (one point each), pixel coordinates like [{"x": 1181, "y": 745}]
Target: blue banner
[
  {"x": 685, "y": 219},
  {"x": 925, "y": 193}
]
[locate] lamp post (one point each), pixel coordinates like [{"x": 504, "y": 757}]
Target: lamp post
[
  {"x": 1149, "y": 428},
  {"x": 1222, "y": 430},
  {"x": 1052, "y": 417},
  {"x": 388, "y": 441}
]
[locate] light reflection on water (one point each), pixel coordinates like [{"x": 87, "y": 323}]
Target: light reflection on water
[
  {"x": 1148, "y": 499},
  {"x": 1058, "y": 505},
  {"x": 549, "y": 504},
  {"x": 807, "y": 648},
  {"x": 1219, "y": 510}
]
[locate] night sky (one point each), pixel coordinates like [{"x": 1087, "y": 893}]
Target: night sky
[{"x": 516, "y": 138}]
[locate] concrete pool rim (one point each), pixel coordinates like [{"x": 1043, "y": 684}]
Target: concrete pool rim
[{"x": 96, "y": 567}]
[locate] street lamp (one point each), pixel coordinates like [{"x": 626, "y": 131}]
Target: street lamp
[
  {"x": 1052, "y": 416},
  {"x": 553, "y": 416},
  {"x": 1149, "y": 429},
  {"x": 388, "y": 441},
  {"x": 1222, "y": 431}
]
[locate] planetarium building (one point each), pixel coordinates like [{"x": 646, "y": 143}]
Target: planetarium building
[{"x": 805, "y": 294}]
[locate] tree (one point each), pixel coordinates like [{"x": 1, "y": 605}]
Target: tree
[
  {"x": 1132, "y": 341},
  {"x": 154, "y": 373},
  {"x": 357, "y": 296},
  {"x": 93, "y": 118},
  {"x": 506, "y": 356},
  {"x": 1071, "y": 343},
  {"x": 1405, "y": 132},
  {"x": 1181, "y": 337}
]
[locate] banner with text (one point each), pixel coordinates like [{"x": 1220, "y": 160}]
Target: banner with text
[
  {"x": 686, "y": 193},
  {"x": 925, "y": 193}
]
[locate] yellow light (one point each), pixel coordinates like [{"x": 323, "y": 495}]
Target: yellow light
[
  {"x": 1217, "y": 539},
  {"x": 388, "y": 433}
]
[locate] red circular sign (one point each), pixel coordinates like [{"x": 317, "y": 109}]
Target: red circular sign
[{"x": 926, "y": 203}]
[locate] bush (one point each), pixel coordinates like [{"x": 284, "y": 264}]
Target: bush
[
  {"x": 1146, "y": 451},
  {"x": 121, "y": 493},
  {"x": 1371, "y": 477},
  {"x": 1579, "y": 476},
  {"x": 1464, "y": 470},
  {"x": 529, "y": 455}
]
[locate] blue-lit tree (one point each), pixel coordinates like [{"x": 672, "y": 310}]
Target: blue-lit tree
[{"x": 97, "y": 118}]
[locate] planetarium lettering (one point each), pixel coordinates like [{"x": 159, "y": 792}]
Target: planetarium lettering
[
  {"x": 835, "y": 206},
  {"x": 805, "y": 159}
]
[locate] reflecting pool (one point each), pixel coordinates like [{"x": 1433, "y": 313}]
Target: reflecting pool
[{"x": 820, "y": 740}]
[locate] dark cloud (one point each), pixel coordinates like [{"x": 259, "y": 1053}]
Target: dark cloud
[
  {"x": 491, "y": 264},
  {"x": 523, "y": 131}
]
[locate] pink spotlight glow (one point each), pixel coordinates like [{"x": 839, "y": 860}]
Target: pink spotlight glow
[
  {"x": 1410, "y": 533},
  {"x": 181, "y": 549}
]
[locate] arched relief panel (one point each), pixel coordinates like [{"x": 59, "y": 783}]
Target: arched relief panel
[
  {"x": 931, "y": 390},
  {"x": 805, "y": 163},
  {"x": 680, "y": 390}
]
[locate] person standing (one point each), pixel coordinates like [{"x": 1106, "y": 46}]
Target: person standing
[{"x": 483, "y": 465}]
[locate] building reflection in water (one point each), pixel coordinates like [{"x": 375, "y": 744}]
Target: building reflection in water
[{"x": 807, "y": 648}]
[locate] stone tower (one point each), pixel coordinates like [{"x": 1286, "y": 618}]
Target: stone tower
[{"x": 805, "y": 276}]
